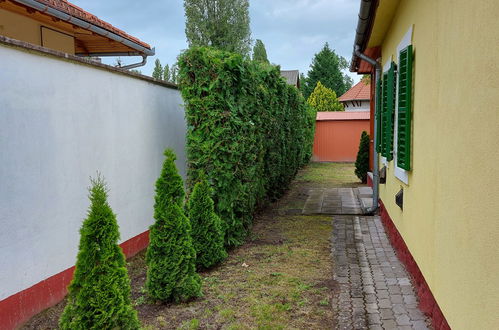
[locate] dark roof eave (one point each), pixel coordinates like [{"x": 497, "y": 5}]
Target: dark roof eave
[{"x": 367, "y": 13}]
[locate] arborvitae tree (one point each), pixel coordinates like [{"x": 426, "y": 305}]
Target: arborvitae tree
[
  {"x": 157, "y": 73},
  {"x": 99, "y": 294},
  {"x": 174, "y": 74},
  {"x": 324, "y": 99},
  {"x": 171, "y": 258},
  {"x": 166, "y": 73},
  {"x": 222, "y": 24},
  {"x": 326, "y": 67},
  {"x": 362, "y": 162},
  {"x": 259, "y": 52},
  {"x": 207, "y": 234}
]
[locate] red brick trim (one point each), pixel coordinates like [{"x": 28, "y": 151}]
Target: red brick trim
[
  {"x": 21, "y": 306},
  {"x": 427, "y": 302}
]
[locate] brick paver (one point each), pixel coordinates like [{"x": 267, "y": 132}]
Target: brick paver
[
  {"x": 332, "y": 201},
  {"x": 375, "y": 291}
]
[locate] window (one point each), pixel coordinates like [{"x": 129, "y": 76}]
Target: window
[
  {"x": 387, "y": 112},
  {"x": 404, "y": 109}
]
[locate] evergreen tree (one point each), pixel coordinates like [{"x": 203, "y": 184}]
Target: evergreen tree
[
  {"x": 362, "y": 162},
  {"x": 171, "y": 258},
  {"x": 166, "y": 73},
  {"x": 303, "y": 83},
  {"x": 99, "y": 294},
  {"x": 324, "y": 99},
  {"x": 223, "y": 24},
  {"x": 207, "y": 234},
  {"x": 326, "y": 67},
  {"x": 174, "y": 74},
  {"x": 157, "y": 73},
  {"x": 259, "y": 52}
]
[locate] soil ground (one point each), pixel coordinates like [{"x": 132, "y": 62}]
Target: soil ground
[{"x": 281, "y": 278}]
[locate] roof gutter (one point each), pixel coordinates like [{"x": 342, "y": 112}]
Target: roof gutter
[
  {"x": 86, "y": 25},
  {"x": 367, "y": 12},
  {"x": 377, "y": 66}
]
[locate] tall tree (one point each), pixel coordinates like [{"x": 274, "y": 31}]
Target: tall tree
[
  {"x": 326, "y": 67},
  {"x": 157, "y": 73},
  {"x": 223, "y": 24},
  {"x": 259, "y": 52},
  {"x": 99, "y": 294},
  {"x": 166, "y": 73}
]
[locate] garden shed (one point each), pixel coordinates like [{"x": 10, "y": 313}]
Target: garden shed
[{"x": 337, "y": 135}]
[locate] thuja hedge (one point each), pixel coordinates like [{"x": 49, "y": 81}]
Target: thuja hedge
[{"x": 247, "y": 130}]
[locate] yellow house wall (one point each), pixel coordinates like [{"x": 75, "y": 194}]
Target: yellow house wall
[
  {"x": 23, "y": 28},
  {"x": 450, "y": 220}
]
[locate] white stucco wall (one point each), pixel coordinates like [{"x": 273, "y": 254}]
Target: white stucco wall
[
  {"x": 353, "y": 106},
  {"x": 61, "y": 122}
]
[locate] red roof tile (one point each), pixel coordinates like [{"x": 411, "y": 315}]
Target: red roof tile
[
  {"x": 75, "y": 11},
  {"x": 343, "y": 115},
  {"x": 360, "y": 91}
]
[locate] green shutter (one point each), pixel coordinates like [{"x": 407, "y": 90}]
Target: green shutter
[
  {"x": 378, "y": 116},
  {"x": 404, "y": 109},
  {"x": 387, "y": 113}
]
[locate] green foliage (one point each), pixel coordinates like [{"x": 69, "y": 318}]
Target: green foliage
[
  {"x": 171, "y": 258},
  {"x": 157, "y": 73},
  {"x": 362, "y": 162},
  {"x": 324, "y": 99},
  {"x": 207, "y": 234},
  {"x": 248, "y": 131},
  {"x": 166, "y": 73},
  {"x": 326, "y": 67},
  {"x": 259, "y": 52},
  {"x": 99, "y": 294},
  {"x": 222, "y": 24}
]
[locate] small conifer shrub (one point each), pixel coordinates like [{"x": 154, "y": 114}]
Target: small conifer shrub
[
  {"x": 99, "y": 294},
  {"x": 207, "y": 233},
  {"x": 362, "y": 162},
  {"x": 324, "y": 99},
  {"x": 171, "y": 258}
]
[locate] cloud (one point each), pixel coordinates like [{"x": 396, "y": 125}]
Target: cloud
[{"x": 292, "y": 30}]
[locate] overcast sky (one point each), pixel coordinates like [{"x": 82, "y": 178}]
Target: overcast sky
[{"x": 292, "y": 30}]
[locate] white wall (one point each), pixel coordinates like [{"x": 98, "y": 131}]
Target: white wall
[
  {"x": 356, "y": 105},
  {"x": 60, "y": 122}
]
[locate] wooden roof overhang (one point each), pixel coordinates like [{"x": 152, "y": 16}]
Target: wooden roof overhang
[{"x": 87, "y": 42}]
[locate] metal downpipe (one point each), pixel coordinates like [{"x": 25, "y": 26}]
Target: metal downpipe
[
  {"x": 135, "y": 65},
  {"x": 377, "y": 65}
]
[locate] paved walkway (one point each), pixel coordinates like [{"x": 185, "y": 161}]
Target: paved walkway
[
  {"x": 332, "y": 201},
  {"x": 375, "y": 291}
]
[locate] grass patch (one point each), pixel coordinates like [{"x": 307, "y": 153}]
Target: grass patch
[{"x": 281, "y": 278}]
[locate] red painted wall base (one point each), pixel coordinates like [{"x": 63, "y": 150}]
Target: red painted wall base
[
  {"x": 427, "y": 301},
  {"x": 21, "y": 306},
  {"x": 369, "y": 180}
]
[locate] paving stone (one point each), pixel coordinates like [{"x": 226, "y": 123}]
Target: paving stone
[
  {"x": 385, "y": 303},
  {"x": 415, "y": 314},
  {"x": 419, "y": 325},
  {"x": 374, "y": 288},
  {"x": 396, "y": 299},
  {"x": 373, "y": 319},
  {"x": 409, "y": 299},
  {"x": 399, "y": 309},
  {"x": 389, "y": 325},
  {"x": 403, "y": 319}
]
